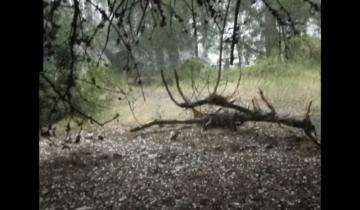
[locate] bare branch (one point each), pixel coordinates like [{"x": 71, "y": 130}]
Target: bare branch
[
  {"x": 178, "y": 86},
  {"x": 237, "y": 83},
  {"x": 235, "y": 31},
  {"x": 99, "y": 87},
  {"x": 267, "y": 102},
  {"x": 132, "y": 112},
  {"x": 221, "y": 47},
  {"x": 167, "y": 88},
  {"x": 241, "y": 115},
  {"x": 226, "y": 83},
  {"x": 308, "y": 109},
  {"x": 70, "y": 104},
  {"x": 142, "y": 17}
]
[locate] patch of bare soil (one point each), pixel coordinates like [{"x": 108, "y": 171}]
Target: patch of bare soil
[{"x": 257, "y": 167}]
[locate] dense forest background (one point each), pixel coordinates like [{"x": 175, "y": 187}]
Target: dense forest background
[{"x": 98, "y": 55}]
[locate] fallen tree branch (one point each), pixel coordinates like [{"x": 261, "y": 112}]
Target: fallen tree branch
[
  {"x": 213, "y": 99},
  {"x": 239, "y": 115},
  {"x": 163, "y": 122},
  {"x": 225, "y": 119},
  {"x": 230, "y": 119}
]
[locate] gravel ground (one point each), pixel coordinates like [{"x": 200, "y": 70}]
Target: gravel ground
[{"x": 257, "y": 167}]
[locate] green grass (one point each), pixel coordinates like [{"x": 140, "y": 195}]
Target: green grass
[{"x": 288, "y": 86}]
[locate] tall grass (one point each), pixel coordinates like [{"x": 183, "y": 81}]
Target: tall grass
[{"x": 290, "y": 86}]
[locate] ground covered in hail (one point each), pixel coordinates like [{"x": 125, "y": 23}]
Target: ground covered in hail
[{"x": 257, "y": 167}]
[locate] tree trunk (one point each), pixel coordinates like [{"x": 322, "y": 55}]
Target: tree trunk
[
  {"x": 270, "y": 33},
  {"x": 195, "y": 30}
]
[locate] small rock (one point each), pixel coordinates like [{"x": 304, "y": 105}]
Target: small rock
[
  {"x": 78, "y": 138},
  {"x": 234, "y": 205},
  {"x": 65, "y": 146},
  {"x": 174, "y": 135},
  {"x": 122, "y": 198},
  {"x": 203, "y": 201},
  {"x": 269, "y": 146},
  {"x": 84, "y": 208},
  {"x": 104, "y": 157},
  {"x": 68, "y": 140},
  {"x": 262, "y": 190},
  {"x": 117, "y": 156},
  {"x": 89, "y": 136}
]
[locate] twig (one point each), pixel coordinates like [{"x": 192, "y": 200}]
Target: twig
[
  {"x": 267, "y": 102},
  {"x": 167, "y": 88},
  {"x": 69, "y": 103},
  {"x": 221, "y": 47},
  {"x": 178, "y": 86},
  {"x": 236, "y": 89},
  {"x": 132, "y": 112}
]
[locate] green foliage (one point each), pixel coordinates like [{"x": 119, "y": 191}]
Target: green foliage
[
  {"x": 305, "y": 47},
  {"x": 192, "y": 68},
  {"x": 302, "y": 49},
  {"x": 304, "y": 59},
  {"x": 288, "y": 85},
  {"x": 89, "y": 94},
  {"x": 49, "y": 103},
  {"x": 271, "y": 69},
  {"x": 89, "y": 90}
]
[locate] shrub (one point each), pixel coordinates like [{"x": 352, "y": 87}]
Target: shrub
[{"x": 191, "y": 68}]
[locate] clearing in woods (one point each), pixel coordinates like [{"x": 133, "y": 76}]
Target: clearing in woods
[{"x": 260, "y": 166}]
